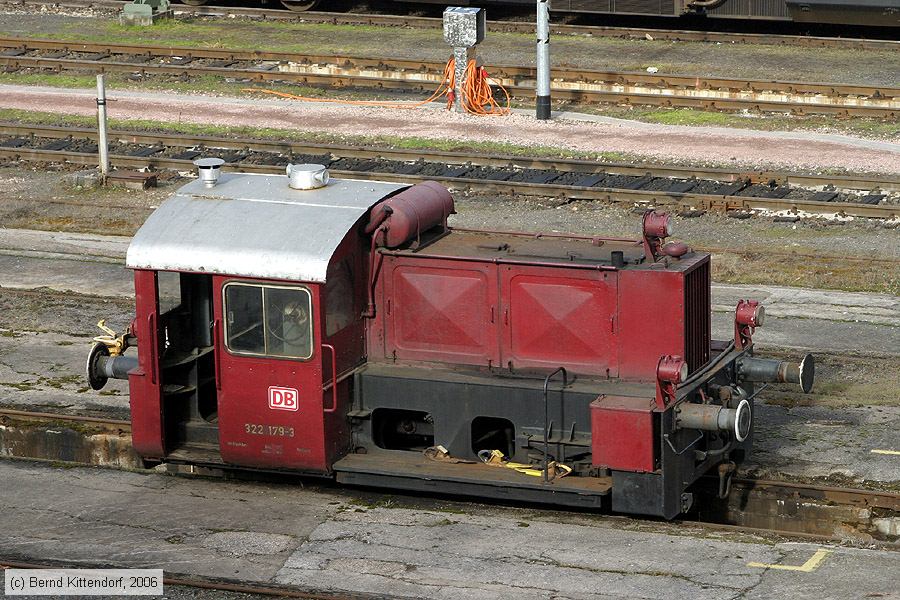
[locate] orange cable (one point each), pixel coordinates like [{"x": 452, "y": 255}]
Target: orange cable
[{"x": 478, "y": 97}]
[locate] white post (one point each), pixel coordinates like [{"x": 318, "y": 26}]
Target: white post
[
  {"x": 543, "y": 60},
  {"x": 461, "y": 58},
  {"x": 464, "y": 29},
  {"x": 101, "y": 126}
]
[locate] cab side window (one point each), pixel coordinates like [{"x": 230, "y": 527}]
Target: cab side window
[
  {"x": 268, "y": 320},
  {"x": 339, "y": 298}
]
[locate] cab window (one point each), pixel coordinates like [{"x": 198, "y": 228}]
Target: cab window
[{"x": 268, "y": 320}]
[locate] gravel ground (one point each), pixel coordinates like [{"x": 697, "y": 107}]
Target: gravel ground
[
  {"x": 751, "y": 150},
  {"x": 703, "y": 59}
]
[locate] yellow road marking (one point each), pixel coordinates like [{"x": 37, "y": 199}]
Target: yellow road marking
[
  {"x": 808, "y": 567},
  {"x": 890, "y": 452}
]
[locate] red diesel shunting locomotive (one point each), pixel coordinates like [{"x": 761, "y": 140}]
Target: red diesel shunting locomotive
[{"x": 342, "y": 329}]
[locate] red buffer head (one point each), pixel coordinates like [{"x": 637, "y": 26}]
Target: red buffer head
[
  {"x": 748, "y": 315},
  {"x": 670, "y": 371}
]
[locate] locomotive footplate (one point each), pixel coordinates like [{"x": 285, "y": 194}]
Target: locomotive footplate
[{"x": 412, "y": 471}]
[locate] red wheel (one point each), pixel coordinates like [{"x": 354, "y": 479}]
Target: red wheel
[{"x": 299, "y": 5}]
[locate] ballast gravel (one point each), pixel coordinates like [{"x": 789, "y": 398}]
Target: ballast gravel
[{"x": 751, "y": 150}]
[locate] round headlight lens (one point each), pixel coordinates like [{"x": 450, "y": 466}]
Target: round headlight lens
[{"x": 683, "y": 372}]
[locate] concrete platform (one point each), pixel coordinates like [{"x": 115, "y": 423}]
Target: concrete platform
[{"x": 326, "y": 539}]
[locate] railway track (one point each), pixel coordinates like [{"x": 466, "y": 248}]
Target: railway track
[
  {"x": 754, "y": 505},
  {"x": 682, "y": 188},
  {"x": 418, "y": 22},
  {"x": 575, "y": 85}
]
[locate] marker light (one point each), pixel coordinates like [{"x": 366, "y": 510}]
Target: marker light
[{"x": 657, "y": 224}]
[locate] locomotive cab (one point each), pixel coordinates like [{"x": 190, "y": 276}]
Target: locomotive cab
[{"x": 343, "y": 329}]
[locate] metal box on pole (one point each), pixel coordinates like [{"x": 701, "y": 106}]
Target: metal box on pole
[{"x": 464, "y": 28}]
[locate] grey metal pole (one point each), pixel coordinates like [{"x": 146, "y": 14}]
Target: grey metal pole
[
  {"x": 101, "y": 125},
  {"x": 543, "y": 60}
]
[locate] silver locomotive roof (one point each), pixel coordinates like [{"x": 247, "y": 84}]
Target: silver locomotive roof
[{"x": 253, "y": 226}]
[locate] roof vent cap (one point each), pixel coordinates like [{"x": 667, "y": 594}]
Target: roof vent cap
[
  {"x": 208, "y": 170},
  {"x": 307, "y": 176}
]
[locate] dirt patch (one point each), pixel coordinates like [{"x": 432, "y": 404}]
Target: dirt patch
[{"x": 61, "y": 312}]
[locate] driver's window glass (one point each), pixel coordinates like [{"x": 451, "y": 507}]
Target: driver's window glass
[
  {"x": 268, "y": 321},
  {"x": 244, "y": 319}
]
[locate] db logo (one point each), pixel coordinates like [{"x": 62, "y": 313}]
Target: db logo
[{"x": 283, "y": 398}]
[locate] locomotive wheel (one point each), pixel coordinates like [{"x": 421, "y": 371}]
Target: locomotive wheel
[
  {"x": 299, "y": 5},
  {"x": 194, "y": 2}
]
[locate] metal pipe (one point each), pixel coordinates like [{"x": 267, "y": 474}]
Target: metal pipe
[
  {"x": 102, "y": 145},
  {"x": 713, "y": 417},
  {"x": 116, "y": 367},
  {"x": 543, "y": 60},
  {"x": 707, "y": 4},
  {"x": 778, "y": 371}
]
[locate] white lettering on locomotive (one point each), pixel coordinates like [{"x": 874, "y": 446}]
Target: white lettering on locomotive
[{"x": 281, "y": 398}]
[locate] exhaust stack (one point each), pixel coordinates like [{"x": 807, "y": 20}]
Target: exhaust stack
[{"x": 208, "y": 170}]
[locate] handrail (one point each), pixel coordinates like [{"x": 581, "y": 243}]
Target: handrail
[{"x": 565, "y": 375}]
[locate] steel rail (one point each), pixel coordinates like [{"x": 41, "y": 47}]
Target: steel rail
[
  {"x": 785, "y": 490},
  {"x": 8, "y": 414},
  {"x": 836, "y": 495},
  {"x": 635, "y": 88},
  {"x": 511, "y": 72},
  {"x": 680, "y": 201},
  {"x": 843, "y": 182},
  {"x": 506, "y": 26}
]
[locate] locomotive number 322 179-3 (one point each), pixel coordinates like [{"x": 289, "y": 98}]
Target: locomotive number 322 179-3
[{"x": 277, "y": 430}]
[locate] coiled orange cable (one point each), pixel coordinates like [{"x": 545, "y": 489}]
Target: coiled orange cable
[{"x": 478, "y": 98}]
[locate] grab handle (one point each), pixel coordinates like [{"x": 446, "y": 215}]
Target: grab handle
[{"x": 216, "y": 367}]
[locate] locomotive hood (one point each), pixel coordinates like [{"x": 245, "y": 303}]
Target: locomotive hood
[{"x": 253, "y": 226}]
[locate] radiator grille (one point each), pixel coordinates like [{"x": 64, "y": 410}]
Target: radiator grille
[
  {"x": 645, "y": 7},
  {"x": 696, "y": 316},
  {"x": 752, "y": 8}
]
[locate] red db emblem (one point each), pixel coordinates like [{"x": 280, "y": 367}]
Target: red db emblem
[{"x": 283, "y": 398}]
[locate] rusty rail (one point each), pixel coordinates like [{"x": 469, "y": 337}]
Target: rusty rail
[
  {"x": 508, "y": 26},
  {"x": 767, "y": 506},
  {"x": 577, "y": 85},
  {"x": 11, "y": 415},
  {"x": 679, "y": 201}
]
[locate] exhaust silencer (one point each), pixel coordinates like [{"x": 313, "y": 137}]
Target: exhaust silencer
[
  {"x": 778, "y": 371},
  {"x": 712, "y": 417}
]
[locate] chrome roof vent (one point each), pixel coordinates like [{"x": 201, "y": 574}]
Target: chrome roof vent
[
  {"x": 307, "y": 176},
  {"x": 208, "y": 170}
]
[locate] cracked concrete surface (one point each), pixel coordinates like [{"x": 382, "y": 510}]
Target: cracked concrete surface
[{"x": 322, "y": 538}]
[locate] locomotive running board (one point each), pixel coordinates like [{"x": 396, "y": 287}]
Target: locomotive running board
[{"x": 413, "y": 472}]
